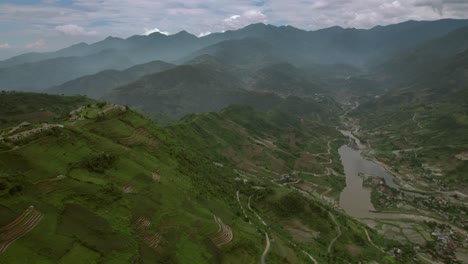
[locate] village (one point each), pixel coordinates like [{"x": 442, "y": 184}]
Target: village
[
  {"x": 450, "y": 207},
  {"x": 445, "y": 244}
]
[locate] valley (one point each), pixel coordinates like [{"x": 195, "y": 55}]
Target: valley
[
  {"x": 265, "y": 144},
  {"x": 405, "y": 218}
]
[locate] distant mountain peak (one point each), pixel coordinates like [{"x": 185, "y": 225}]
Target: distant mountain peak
[
  {"x": 334, "y": 28},
  {"x": 184, "y": 33},
  {"x": 259, "y": 25},
  {"x": 156, "y": 34},
  {"x": 81, "y": 44},
  {"x": 111, "y": 37}
]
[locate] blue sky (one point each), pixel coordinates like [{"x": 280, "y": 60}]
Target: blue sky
[{"x": 44, "y": 25}]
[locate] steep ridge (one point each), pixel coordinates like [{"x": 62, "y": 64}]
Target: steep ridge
[
  {"x": 99, "y": 84},
  {"x": 413, "y": 65},
  {"x": 188, "y": 89}
]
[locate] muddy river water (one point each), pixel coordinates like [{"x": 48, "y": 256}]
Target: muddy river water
[{"x": 355, "y": 199}]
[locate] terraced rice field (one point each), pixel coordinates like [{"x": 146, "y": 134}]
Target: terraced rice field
[
  {"x": 51, "y": 185},
  {"x": 142, "y": 225},
  {"x": 141, "y": 136},
  {"x": 48, "y": 187},
  {"x": 224, "y": 234},
  {"x": 19, "y": 227}
]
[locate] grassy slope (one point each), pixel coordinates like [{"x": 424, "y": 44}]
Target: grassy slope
[
  {"x": 88, "y": 218},
  {"x": 17, "y": 107}
]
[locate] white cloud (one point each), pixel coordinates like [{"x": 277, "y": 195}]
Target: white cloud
[
  {"x": 232, "y": 18},
  {"x": 92, "y": 20},
  {"x": 4, "y": 46},
  {"x": 247, "y": 18},
  {"x": 154, "y": 30},
  {"x": 74, "y": 30},
  {"x": 36, "y": 44},
  {"x": 203, "y": 34}
]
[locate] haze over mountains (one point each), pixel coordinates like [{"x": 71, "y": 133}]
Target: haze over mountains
[
  {"x": 258, "y": 58},
  {"x": 386, "y": 68},
  {"x": 185, "y": 149},
  {"x": 357, "y": 47}
]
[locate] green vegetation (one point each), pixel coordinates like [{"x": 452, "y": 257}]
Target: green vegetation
[
  {"x": 31, "y": 107},
  {"x": 87, "y": 181},
  {"x": 94, "y": 184},
  {"x": 101, "y": 83},
  {"x": 426, "y": 120}
]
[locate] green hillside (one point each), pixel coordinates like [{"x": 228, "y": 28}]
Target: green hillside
[
  {"x": 112, "y": 187},
  {"x": 99, "y": 84},
  {"x": 414, "y": 65},
  {"x": 285, "y": 79},
  {"x": 428, "y": 117},
  {"x": 38, "y": 76},
  {"x": 186, "y": 89},
  {"x": 31, "y": 107}
]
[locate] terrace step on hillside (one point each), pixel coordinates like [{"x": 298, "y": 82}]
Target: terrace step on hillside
[
  {"x": 19, "y": 227},
  {"x": 142, "y": 226},
  {"x": 224, "y": 234}
]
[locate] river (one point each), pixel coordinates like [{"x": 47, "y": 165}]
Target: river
[{"x": 355, "y": 199}]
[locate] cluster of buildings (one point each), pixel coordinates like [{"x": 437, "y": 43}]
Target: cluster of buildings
[
  {"x": 446, "y": 244},
  {"x": 387, "y": 196}
]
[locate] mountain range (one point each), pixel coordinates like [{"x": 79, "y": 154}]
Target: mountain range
[
  {"x": 362, "y": 48},
  {"x": 256, "y": 66},
  {"x": 233, "y": 147},
  {"x": 260, "y": 61}
]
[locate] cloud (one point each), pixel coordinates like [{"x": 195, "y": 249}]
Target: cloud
[
  {"x": 74, "y": 30},
  {"x": 36, "y": 44},
  {"x": 4, "y": 46},
  {"x": 154, "y": 30},
  {"x": 92, "y": 20},
  {"x": 203, "y": 34},
  {"x": 247, "y": 18}
]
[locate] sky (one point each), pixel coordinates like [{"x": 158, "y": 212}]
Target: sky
[{"x": 45, "y": 25}]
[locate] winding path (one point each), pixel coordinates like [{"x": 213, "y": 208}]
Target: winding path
[
  {"x": 310, "y": 257},
  {"x": 268, "y": 242},
  {"x": 242, "y": 208},
  {"x": 370, "y": 241},
  {"x": 255, "y": 213},
  {"x": 337, "y": 229},
  {"x": 267, "y": 247},
  {"x": 328, "y": 151}
]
